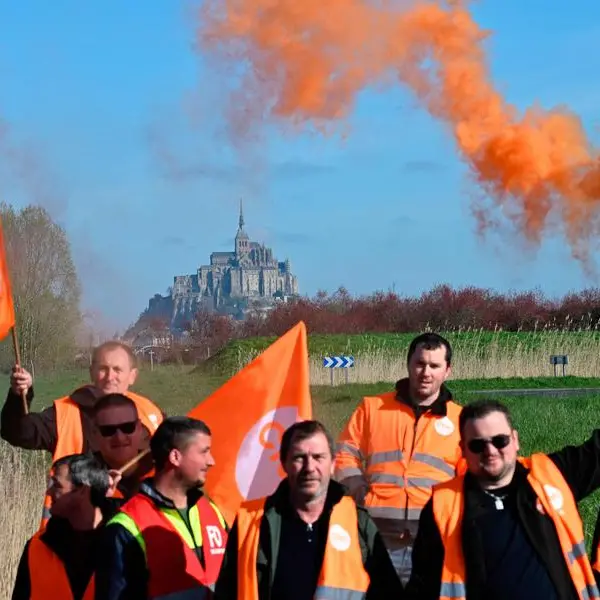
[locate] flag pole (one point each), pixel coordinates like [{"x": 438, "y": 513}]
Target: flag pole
[
  {"x": 18, "y": 361},
  {"x": 132, "y": 462}
]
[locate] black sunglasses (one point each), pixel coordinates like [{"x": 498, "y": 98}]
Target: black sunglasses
[
  {"x": 110, "y": 430},
  {"x": 477, "y": 445}
]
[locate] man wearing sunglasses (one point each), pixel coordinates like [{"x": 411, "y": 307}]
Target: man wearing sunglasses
[
  {"x": 119, "y": 437},
  {"x": 510, "y": 527}
]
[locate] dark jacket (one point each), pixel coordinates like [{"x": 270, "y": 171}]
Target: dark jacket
[
  {"x": 38, "y": 431},
  {"x": 579, "y": 465},
  {"x": 384, "y": 584},
  {"x": 121, "y": 572},
  {"x": 78, "y": 551}
]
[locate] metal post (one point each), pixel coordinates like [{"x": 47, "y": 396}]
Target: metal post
[
  {"x": 346, "y": 370},
  {"x": 331, "y": 373}
]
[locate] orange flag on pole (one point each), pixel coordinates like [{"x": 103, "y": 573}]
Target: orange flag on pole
[
  {"x": 247, "y": 416},
  {"x": 7, "y": 308}
]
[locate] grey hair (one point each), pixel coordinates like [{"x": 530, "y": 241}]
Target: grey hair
[{"x": 86, "y": 470}]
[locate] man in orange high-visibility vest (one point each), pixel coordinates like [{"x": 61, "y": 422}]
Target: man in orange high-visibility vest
[
  {"x": 308, "y": 539},
  {"x": 509, "y": 527},
  {"x": 397, "y": 445},
  {"x": 66, "y": 427},
  {"x": 59, "y": 561}
]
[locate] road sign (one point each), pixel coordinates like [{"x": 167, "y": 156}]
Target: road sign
[
  {"x": 338, "y": 362},
  {"x": 559, "y": 359}
]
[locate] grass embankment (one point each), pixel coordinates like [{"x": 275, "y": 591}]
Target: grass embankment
[
  {"x": 544, "y": 423},
  {"x": 478, "y": 354}
]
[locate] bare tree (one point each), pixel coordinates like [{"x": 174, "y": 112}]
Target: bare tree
[{"x": 45, "y": 287}]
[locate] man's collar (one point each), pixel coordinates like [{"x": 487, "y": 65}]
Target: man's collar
[
  {"x": 438, "y": 407},
  {"x": 520, "y": 474},
  {"x": 85, "y": 396},
  {"x": 59, "y": 532},
  {"x": 148, "y": 488}
]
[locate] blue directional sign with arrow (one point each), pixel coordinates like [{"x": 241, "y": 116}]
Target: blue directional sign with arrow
[{"x": 338, "y": 362}]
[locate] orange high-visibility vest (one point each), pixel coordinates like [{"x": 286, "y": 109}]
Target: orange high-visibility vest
[
  {"x": 342, "y": 576},
  {"x": 554, "y": 498},
  {"x": 399, "y": 458},
  {"x": 172, "y": 564},
  {"x": 70, "y": 433},
  {"x": 48, "y": 576}
]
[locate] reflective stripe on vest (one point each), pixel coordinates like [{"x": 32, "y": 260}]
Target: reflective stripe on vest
[
  {"x": 329, "y": 593},
  {"x": 453, "y": 590},
  {"x": 70, "y": 434},
  {"x": 342, "y": 575},
  {"x": 398, "y": 479},
  {"x": 554, "y": 498},
  {"x": 47, "y": 575},
  {"x": 174, "y": 569}
]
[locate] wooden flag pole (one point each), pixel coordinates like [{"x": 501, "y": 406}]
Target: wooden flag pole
[
  {"x": 132, "y": 462},
  {"x": 18, "y": 361}
]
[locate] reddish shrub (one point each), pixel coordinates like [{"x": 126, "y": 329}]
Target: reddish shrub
[{"x": 441, "y": 308}]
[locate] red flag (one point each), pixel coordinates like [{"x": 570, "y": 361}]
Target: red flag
[
  {"x": 248, "y": 415},
  {"x": 7, "y": 308}
]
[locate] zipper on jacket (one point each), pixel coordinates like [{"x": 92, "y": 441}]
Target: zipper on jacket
[{"x": 412, "y": 449}]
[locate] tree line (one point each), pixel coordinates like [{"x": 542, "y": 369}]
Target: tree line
[
  {"x": 443, "y": 308},
  {"x": 46, "y": 289}
]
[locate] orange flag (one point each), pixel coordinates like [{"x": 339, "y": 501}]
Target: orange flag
[
  {"x": 248, "y": 415},
  {"x": 7, "y": 307}
]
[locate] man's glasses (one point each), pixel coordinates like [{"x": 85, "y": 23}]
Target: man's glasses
[
  {"x": 477, "y": 445},
  {"x": 110, "y": 430}
]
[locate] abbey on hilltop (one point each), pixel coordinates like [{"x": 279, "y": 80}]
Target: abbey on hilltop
[{"x": 234, "y": 282}]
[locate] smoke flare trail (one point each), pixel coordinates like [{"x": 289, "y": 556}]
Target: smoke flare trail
[{"x": 305, "y": 61}]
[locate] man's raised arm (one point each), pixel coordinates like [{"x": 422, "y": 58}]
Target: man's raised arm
[{"x": 31, "y": 431}]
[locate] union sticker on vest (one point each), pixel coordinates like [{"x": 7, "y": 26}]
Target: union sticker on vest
[
  {"x": 215, "y": 539},
  {"x": 339, "y": 537},
  {"x": 444, "y": 426},
  {"x": 555, "y": 497}
]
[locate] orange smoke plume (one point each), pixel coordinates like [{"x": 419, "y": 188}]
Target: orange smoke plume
[{"x": 305, "y": 61}]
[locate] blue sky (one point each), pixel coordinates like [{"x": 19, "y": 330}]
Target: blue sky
[{"x": 91, "y": 86}]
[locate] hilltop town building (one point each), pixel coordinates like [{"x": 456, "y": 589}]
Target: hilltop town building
[{"x": 234, "y": 282}]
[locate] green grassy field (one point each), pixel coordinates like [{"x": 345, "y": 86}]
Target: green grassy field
[
  {"x": 178, "y": 389},
  {"x": 476, "y": 344}
]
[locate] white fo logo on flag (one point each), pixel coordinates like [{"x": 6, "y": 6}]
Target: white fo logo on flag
[{"x": 258, "y": 469}]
